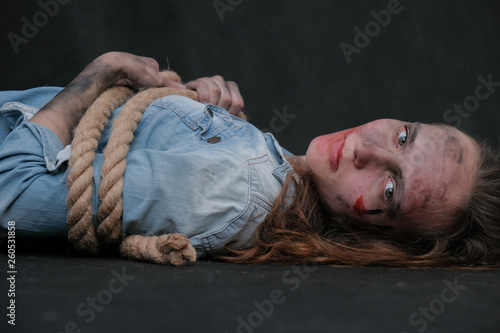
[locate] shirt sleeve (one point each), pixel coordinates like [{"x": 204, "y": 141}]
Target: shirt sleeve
[{"x": 33, "y": 181}]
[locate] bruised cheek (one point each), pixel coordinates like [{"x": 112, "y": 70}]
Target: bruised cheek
[
  {"x": 426, "y": 192},
  {"x": 431, "y": 195}
]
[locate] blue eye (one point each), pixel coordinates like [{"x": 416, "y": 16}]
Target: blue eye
[
  {"x": 389, "y": 190},
  {"x": 403, "y": 135}
]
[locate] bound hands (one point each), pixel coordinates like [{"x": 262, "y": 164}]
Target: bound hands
[
  {"x": 217, "y": 91},
  {"x": 62, "y": 114},
  {"x": 138, "y": 72}
]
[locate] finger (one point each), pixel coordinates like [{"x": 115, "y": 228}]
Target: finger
[
  {"x": 144, "y": 78},
  {"x": 155, "y": 64},
  {"x": 193, "y": 85},
  {"x": 151, "y": 62},
  {"x": 169, "y": 83},
  {"x": 237, "y": 102},
  {"x": 214, "y": 90},
  {"x": 134, "y": 63},
  {"x": 202, "y": 88},
  {"x": 153, "y": 78},
  {"x": 157, "y": 79},
  {"x": 224, "y": 96}
]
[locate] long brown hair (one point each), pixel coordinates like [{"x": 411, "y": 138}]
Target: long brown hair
[{"x": 300, "y": 229}]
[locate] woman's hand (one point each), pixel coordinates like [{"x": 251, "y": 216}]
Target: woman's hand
[
  {"x": 217, "y": 91},
  {"x": 63, "y": 113},
  {"x": 125, "y": 69}
]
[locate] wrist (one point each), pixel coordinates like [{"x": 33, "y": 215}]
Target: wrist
[
  {"x": 103, "y": 71},
  {"x": 110, "y": 68}
]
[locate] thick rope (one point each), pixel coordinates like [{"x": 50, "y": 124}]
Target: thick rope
[
  {"x": 165, "y": 249},
  {"x": 113, "y": 168},
  {"x": 174, "y": 249},
  {"x": 80, "y": 175}
]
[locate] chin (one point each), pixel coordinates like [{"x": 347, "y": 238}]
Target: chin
[{"x": 317, "y": 151}]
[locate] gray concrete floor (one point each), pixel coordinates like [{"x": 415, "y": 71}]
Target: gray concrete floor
[{"x": 59, "y": 292}]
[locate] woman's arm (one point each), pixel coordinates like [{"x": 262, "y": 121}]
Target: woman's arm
[{"x": 62, "y": 114}]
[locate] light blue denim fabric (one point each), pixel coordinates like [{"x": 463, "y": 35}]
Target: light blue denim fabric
[{"x": 192, "y": 168}]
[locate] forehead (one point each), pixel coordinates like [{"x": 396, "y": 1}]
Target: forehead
[{"x": 438, "y": 171}]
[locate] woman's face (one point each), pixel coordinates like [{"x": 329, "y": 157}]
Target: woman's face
[{"x": 391, "y": 173}]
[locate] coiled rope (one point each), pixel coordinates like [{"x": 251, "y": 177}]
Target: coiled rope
[{"x": 172, "y": 249}]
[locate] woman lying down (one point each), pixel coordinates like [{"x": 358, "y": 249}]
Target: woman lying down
[{"x": 389, "y": 192}]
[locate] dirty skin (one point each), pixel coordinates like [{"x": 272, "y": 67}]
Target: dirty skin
[{"x": 453, "y": 149}]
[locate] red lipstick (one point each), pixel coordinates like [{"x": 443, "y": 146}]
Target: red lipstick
[{"x": 336, "y": 153}]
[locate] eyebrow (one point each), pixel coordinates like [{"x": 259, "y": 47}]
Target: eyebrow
[
  {"x": 413, "y": 133},
  {"x": 395, "y": 205}
]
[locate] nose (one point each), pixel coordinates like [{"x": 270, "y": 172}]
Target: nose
[{"x": 367, "y": 153}]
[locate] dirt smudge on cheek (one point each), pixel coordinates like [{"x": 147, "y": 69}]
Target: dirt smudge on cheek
[
  {"x": 359, "y": 207},
  {"x": 425, "y": 201},
  {"x": 341, "y": 201},
  {"x": 440, "y": 192},
  {"x": 429, "y": 196},
  {"x": 453, "y": 150}
]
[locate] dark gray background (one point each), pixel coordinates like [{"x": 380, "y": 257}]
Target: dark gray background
[{"x": 283, "y": 54}]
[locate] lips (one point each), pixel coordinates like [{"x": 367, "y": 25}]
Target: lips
[{"x": 336, "y": 153}]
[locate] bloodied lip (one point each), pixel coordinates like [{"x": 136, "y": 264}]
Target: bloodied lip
[{"x": 336, "y": 153}]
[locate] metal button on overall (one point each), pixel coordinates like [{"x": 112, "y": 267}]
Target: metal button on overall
[{"x": 213, "y": 139}]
